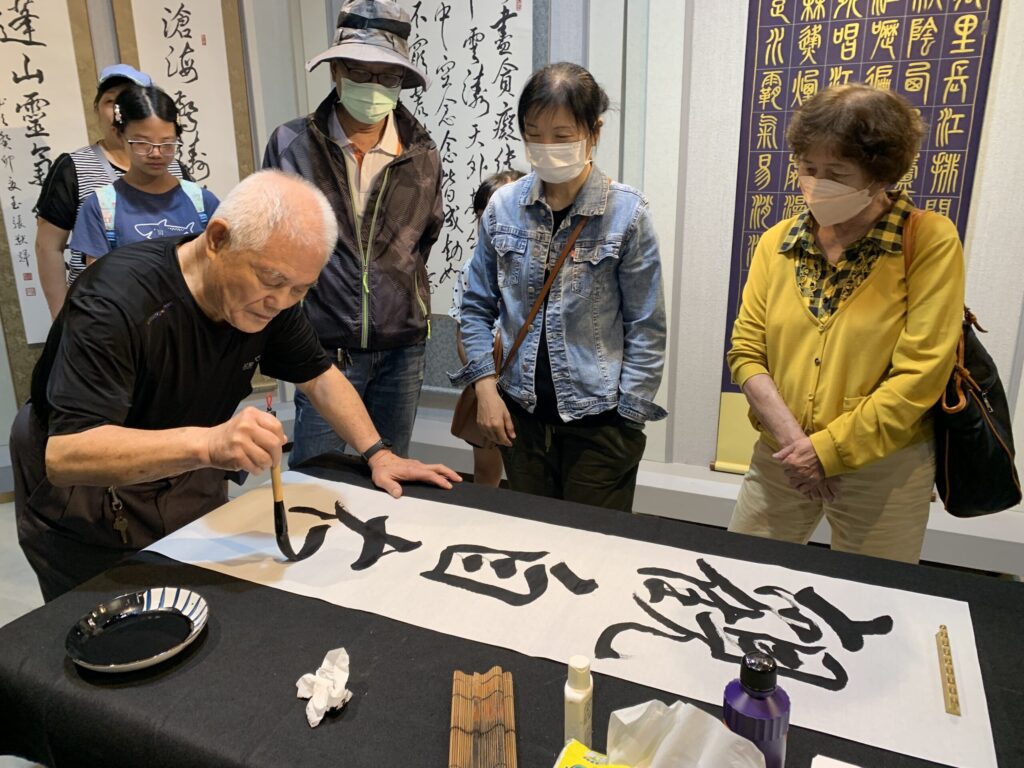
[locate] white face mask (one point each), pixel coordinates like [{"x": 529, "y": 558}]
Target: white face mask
[
  {"x": 558, "y": 163},
  {"x": 832, "y": 202}
]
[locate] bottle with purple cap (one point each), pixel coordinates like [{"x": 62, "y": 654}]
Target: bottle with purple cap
[{"x": 758, "y": 709}]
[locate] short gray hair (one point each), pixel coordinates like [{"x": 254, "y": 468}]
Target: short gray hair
[{"x": 262, "y": 205}]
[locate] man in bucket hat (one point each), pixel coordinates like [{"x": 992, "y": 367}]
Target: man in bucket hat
[{"x": 381, "y": 172}]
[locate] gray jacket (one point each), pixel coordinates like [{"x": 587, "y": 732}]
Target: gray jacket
[{"x": 375, "y": 297}]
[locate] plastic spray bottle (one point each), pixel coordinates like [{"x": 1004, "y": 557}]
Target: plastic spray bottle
[{"x": 579, "y": 701}]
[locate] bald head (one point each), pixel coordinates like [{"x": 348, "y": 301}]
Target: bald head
[{"x": 275, "y": 205}]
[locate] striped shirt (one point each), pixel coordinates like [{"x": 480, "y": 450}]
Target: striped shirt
[{"x": 73, "y": 178}]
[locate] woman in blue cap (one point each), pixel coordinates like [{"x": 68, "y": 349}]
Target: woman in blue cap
[{"x": 76, "y": 175}]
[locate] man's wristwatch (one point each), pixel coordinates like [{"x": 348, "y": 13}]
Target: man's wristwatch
[{"x": 380, "y": 445}]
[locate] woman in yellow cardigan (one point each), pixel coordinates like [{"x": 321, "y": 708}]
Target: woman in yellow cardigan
[{"x": 840, "y": 347}]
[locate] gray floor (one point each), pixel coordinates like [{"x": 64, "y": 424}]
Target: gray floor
[{"x": 19, "y": 592}]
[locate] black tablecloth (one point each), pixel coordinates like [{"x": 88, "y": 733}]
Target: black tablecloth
[{"x": 230, "y": 700}]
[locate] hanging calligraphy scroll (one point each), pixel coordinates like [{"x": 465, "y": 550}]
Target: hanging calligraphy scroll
[
  {"x": 858, "y": 658},
  {"x": 193, "y": 51},
  {"x": 478, "y": 56},
  {"x": 937, "y": 53},
  {"x": 40, "y": 117}
]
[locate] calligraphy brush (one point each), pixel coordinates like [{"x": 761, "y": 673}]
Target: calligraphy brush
[
  {"x": 315, "y": 537},
  {"x": 280, "y": 521}
]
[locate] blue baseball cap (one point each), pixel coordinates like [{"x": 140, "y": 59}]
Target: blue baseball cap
[{"x": 126, "y": 72}]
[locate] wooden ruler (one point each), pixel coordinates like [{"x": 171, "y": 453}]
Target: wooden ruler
[{"x": 950, "y": 695}]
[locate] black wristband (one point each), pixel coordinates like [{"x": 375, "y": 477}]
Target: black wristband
[{"x": 380, "y": 445}]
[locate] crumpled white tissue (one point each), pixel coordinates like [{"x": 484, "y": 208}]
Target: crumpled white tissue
[
  {"x": 653, "y": 735},
  {"x": 325, "y": 688}
]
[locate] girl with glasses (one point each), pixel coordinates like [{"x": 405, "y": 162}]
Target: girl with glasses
[
  {"x": 73, "y": 178},
  {"x": 148, "y": 202}
]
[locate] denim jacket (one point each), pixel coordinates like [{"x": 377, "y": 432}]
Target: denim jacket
[{"x": 606, "y": 311}]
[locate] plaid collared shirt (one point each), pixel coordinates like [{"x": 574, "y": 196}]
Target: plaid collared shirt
[{"x": 824, "y": 286}]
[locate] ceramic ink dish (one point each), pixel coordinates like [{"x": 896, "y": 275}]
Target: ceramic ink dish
[{"x": 137, "y": 630}]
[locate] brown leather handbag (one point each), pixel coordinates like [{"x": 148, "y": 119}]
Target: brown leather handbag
[{"x": 464, "y": 423}]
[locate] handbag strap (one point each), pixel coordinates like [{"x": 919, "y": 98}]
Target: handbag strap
[{"x": 544, "y": 292}]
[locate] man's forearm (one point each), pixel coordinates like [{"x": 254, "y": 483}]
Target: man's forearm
[{"x": 113, "y": 455}]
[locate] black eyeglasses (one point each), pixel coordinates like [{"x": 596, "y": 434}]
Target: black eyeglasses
[
  {"x": 144, "y": 148},
  {"x": 387, "y": 79}
]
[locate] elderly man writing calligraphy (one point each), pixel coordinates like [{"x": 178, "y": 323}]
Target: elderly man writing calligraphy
[
  {"x": 132, "y": 421},
  {"x": 381, "y": 172}
]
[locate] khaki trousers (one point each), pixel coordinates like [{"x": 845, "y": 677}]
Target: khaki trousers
[{"x": 880, "y": 510}]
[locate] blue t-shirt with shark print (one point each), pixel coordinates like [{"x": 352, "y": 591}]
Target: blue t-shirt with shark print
[{"x": 139, "y": 216}]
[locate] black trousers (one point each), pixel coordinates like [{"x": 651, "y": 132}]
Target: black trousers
[
  {"x": 594, "y": 465},
  {"x": 68, "y": 534}
]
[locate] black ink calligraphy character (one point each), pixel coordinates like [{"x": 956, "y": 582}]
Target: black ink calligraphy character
[
  {"x": 472, "y": 43},
  {"x": 504, "y": 76},
  {"x": 375, "y": 537},
  {"x": 707, "y": 592},
  {"x": 501, "y": 27},
  {"x": 851, "y": 633},
  {"x": 731, "y": 605},
  {"x": 178, "y": 24},
  {"x": 504, "y": 124},
  {"x": 23, "y": 24},
  {"x": 187, "y": 111},
  {"x": 803, "y": 626},
  {"x": 415, "y": 14},
  {"x": 441, "y": 15},
  {"x": 37, "y": 75},
  {"x": 572, "y": 582},
  {"x": 185, "y": 66},
  {"x": 504, "y": 567}
]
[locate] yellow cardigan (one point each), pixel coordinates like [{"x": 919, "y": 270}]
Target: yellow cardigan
[{"x": 862, "y": 383}]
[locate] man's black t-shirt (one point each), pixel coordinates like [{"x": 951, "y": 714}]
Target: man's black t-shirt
[{"x": 131, "y": 347}]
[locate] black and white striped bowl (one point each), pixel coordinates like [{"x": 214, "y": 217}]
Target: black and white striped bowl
[{"x": 136, "y": 608}]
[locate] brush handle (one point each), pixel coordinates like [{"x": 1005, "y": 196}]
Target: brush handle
[{"x": 275, "y": 480}]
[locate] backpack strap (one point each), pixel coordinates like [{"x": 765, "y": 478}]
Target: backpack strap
[
  {"x": 195, "y": 194},
  {"x": 107, "y": 198}
]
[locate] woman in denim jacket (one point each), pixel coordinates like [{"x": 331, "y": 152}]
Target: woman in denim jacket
[{"x": 569, "y": 409}]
